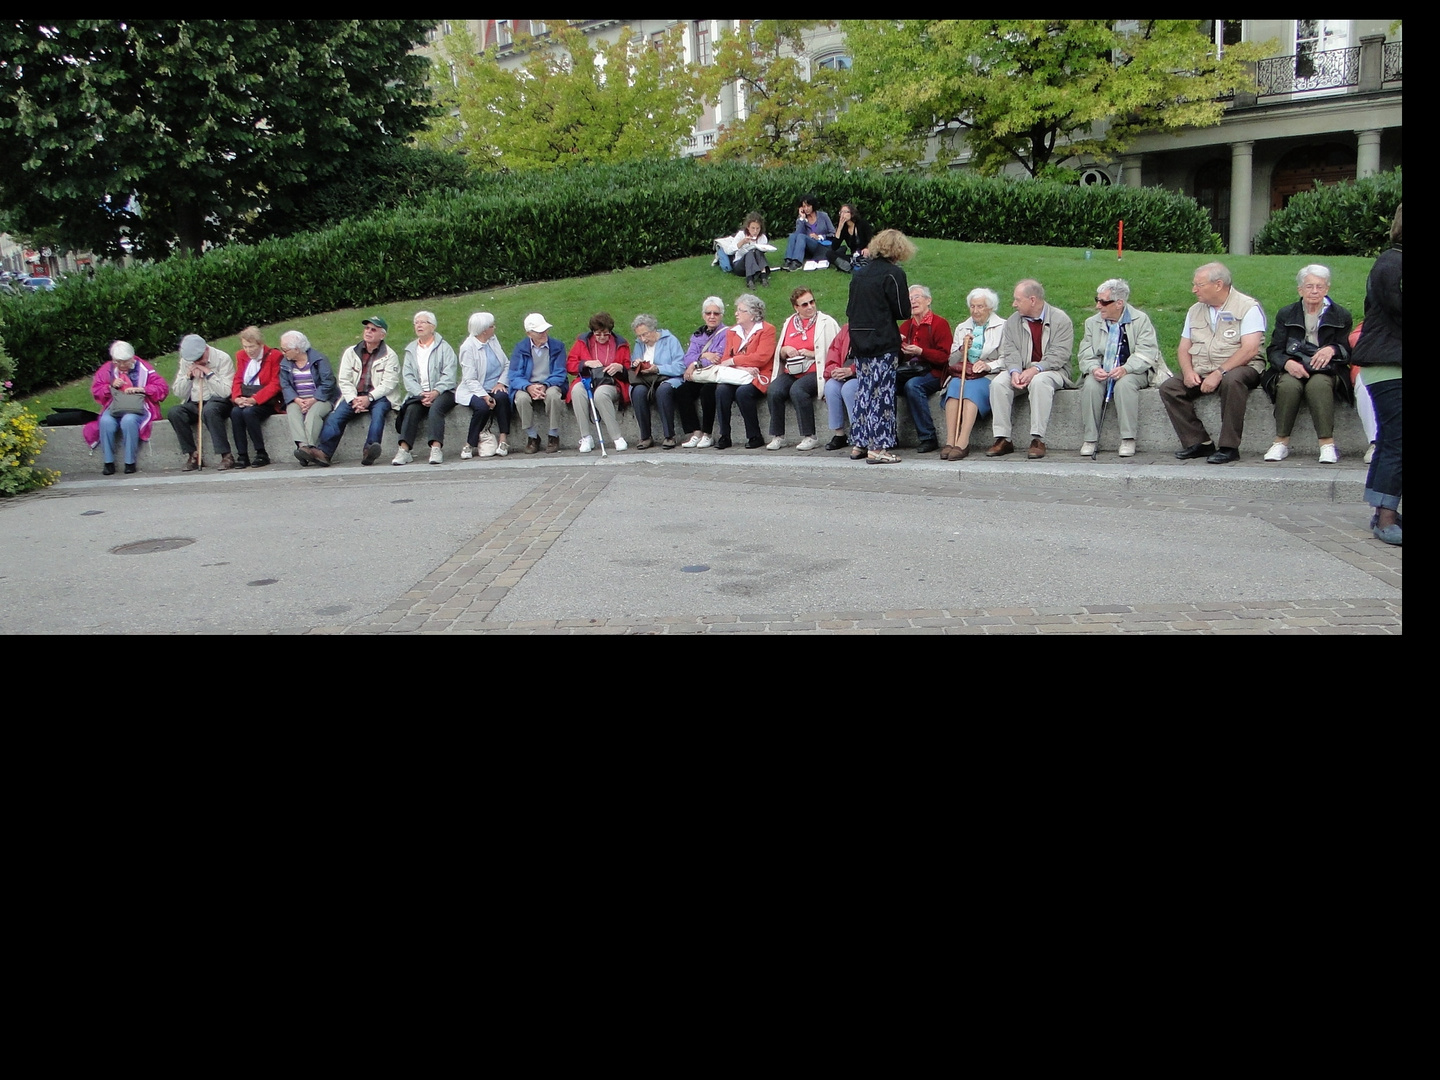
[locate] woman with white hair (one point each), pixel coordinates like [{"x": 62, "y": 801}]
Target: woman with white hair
[
  {"x": 307, "y": 386},
  {"x": 657, "y": 368},
  {"x": 706, "y": 346},
  {"x": 129, "y": 391},
  {"x": 750, "y": 346},
  {"x": 484, "y": 368},
  {"x": 430, "y": 372},
  {"x": 973, "y": 363},
  {"x": 1309, "y": 358}
]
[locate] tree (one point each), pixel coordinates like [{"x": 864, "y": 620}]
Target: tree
[
  {"x": 205, "y": 123},
  {"x": 1037, "y": 92},
  {"x": 790, "y": 113},
  {"x": 573, "y": 102}
]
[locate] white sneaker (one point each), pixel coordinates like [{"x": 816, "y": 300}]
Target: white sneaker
[
  {"x": 690, "y": 443},
  {"x": 621, "y": 444},
  {"x": 402, "y": 457},
  {"x": 1279, "y": 452},
  {"x": 705, "y": 442},
  {"x": 807, "y": 443},
  {"x": 822, "y": 264},
  {"x": 811, "y": 264},
  {"x": 1086, "y": 449},
  {"x": 502, "y": 450},
  {"x": 437, "y": 456},
  {"x": 1329, "y": 454},
  {"x": 466, "y": 453},
  {"x": 587, "y": 445},
  {"x": 1370, "y": 454},
  {"x": 775, "y": 444},
  {"x": 1127, "y": 447}
]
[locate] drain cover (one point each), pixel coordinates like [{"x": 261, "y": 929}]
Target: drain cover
[
  {"x": 694, "y": 569},
  {"x": 146, "y": 547}
]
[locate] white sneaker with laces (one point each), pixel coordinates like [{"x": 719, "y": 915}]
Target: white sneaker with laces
[
  {"x": 1329, "y": 454},
  {"x": 437, "y": 456},
  {"x": 621, "y": 444},
  {"x": 587, "y": 445},
  {"x": 1127, "y": 447},
  {"x": 705, "y": 442},
  {"x": 690, "y": 443},
  {"x": 402, "y": 457},
  {"x": 807, "y": 443},
  {"x": 502, "y": 450},
  {"x": 1086, "y": 449},
  {"x": 1279, "y": 452},
  {"x": 775, "y": 444},
  {"x": 466, "y": 453}
]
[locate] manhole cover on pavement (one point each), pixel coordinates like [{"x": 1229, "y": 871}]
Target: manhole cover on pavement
[{"x": 145, "y": 547}]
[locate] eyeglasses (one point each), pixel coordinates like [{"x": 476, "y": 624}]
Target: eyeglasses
[
  {"x": 806, "y": 303},
  {"x": 717, "y": 314},
  {"x": 1103, "y": 302}
]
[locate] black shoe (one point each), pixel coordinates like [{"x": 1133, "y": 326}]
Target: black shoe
[
  {"x": 370, "y": 454},
  {"x": 927, "y": 446},
  {"x": 839, "y": 442},
  {"x": 242, "y": 461},
  {"x": 754, "y": 443},
  {"x": 1200, "y": 449},
  {"x": 261, "y": 460},
  {"x": 109, "y": 469},
  {"x": 1223, "y": 455},
  {"x": 750, "y": 282},
  {"x": 301, "y": 456},
  {"x": 129, "y": 468},
  {"x": 723, "y": 443}
]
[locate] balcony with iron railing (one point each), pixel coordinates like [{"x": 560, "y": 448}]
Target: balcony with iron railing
[{"x": 1372, "y": 65}]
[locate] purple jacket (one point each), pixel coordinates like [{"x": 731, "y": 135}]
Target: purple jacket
[{"x": 100, "y": 389}]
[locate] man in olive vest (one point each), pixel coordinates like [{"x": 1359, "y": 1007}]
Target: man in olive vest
[{"x": 1220, "y": 350}]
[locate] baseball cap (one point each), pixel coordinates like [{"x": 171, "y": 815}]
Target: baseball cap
[
  {"x": 377, "y": 320},
  {"x": 535, "y": 323},
  {"x": 192, "y": 347}
]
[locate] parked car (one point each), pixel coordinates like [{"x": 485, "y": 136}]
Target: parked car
[{"x": 36, "y": 284}]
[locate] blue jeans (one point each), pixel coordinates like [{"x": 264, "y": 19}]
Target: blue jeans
[
  {"x": 840, "y": 399},
  {"x": 917, "y": 393},
  {"x": 129, "y": 427},
  {"x": 1382, "y": 485},
  {"x": 343, "y": 414},
  {"x": 803, "y": 247}
]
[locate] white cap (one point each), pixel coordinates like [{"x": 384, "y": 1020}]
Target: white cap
[{"x": 535, "y": 323}]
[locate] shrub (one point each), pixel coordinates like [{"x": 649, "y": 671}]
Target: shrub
[
  {"x": 20, "y": 444},
  {"x": 1349, "y": 218},
  {"x": 510, "y": 228}
]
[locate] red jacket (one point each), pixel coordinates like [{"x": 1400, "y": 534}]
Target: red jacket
[
  {"x": 269, "y": 378},
  {"x": 934, "y": 339},
  {"x": 759, "y": 352},
  {"x": 580, "y": 353}
]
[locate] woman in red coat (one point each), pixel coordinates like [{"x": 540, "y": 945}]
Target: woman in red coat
[{"x": 256, "y": 395}]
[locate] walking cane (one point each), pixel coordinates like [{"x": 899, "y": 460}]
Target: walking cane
[
  {"x": 1109, "y": 389},
  {"x": 594, "y": 417},
  {"x": 200, "y": 430}
]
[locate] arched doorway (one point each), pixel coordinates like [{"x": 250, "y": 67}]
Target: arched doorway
[
  {"x": 1305, "y": 166},
  {"x": 1212, "y": 191}
]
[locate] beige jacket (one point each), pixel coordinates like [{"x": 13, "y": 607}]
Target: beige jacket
[
  {"x": 213, "y": 387},
  {"x": 1209, "y": 349}
]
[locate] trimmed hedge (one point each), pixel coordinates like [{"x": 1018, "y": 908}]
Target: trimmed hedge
[
  {"x": 537, "y": 227},
  {"x": 1349, "y": 218}
]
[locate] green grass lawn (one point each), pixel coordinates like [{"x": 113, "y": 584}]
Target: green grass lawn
[{"x": 673, "y": 292}]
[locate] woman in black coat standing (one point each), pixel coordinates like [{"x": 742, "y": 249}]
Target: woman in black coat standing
[
  {"x": 1378, "y": 352},
  {"x": 879, "y": 302}
]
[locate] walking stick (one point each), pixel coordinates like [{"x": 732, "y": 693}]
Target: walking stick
[
  {"x": 1109, "y": 389},
  {"x": 594, "y": 417},
  {"x": 200, "y": 430}
]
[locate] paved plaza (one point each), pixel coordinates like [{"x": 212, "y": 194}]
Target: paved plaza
[{"x": 704, "y": 542}]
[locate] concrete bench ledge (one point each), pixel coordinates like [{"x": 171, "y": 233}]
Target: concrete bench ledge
[{"x": 66, "y": 450}]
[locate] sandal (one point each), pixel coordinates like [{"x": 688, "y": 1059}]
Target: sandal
[
  {"x": 856, "y": 453},
  {"x": 882, "y": 457}
]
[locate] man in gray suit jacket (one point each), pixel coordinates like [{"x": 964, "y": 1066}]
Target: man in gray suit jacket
[{"x": 1035, "y": 349}]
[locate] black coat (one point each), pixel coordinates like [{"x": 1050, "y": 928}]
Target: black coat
[
  {"x": 1380, "y": 337},
  {"x": 1334, "y": 330},
  {"x": 879, "y": 302}
]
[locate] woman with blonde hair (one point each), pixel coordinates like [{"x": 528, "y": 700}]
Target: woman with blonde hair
[{"x": 879, "y": 302}]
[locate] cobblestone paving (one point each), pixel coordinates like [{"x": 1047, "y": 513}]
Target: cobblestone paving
[{"x": 460, "y": 594}]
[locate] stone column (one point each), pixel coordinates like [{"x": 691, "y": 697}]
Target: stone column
[
  {"x": 1367, "y": 152},
  {"x": 1130, "y": 172},
  {"x": 1372, "y": 62},
  {"x": 1242, "y": 162}
]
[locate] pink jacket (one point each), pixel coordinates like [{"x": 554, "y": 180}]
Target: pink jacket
[{"x": 100, "y": 389}]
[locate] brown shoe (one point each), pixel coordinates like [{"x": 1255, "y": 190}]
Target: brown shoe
[
  {"x": 193, "y": 461},
  {"x": 1037, "y": 449},
  {"x": 227, "y": 461},
  {"x": 532, "y": 445},
  {"x": 318, "y": 456},
  {"x": 1001, "y": 448},
  {"x": 959, "y": 453},
  {"x": 552, "y": 444}
]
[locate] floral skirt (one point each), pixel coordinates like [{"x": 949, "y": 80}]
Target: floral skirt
[{"x": 874, "y": 424}]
